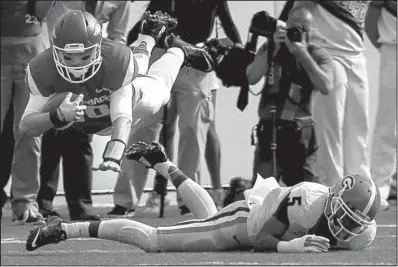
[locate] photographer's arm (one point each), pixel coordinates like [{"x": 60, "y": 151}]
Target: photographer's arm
[
  {"x": 257, "y": 69},
  {"x": 319, "y": 67}
]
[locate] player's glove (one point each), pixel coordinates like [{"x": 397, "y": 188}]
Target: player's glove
[
  {"x": 307, "y": 243},
  {"x": 231, "y": 62}
]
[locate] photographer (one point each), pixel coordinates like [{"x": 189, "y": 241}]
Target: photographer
[{"x": 293, "y": 69}]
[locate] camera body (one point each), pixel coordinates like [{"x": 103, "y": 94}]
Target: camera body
[
  {"x": 263, "y": 24},
  {"x": 295, "y": 34}
]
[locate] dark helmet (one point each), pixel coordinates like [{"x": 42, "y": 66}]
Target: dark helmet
[{"x": 77, "y": 32}]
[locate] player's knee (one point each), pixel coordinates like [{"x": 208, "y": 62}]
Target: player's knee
[
  {"x": 155, "y": 98},
  {"x": 144, "y": 237}
]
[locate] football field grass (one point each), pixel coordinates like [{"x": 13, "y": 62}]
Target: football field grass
[{"x": 383, "y": 250}]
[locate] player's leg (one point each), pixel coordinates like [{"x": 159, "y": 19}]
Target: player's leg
[
  {"x": 194, "y": 196},
  {"x": 156, "y": 86},
  {"x": 384, "y": 137},
  {"x": 356, "y": 121},
  {"x": 225, "y": 230},
  {"x": 26, "y": 163},
  {"x": 329, "y": 115}
]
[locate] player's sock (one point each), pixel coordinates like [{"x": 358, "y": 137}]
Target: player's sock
[
  {"x": 142, "y": 49},
  {"x": 194, "y": 196},
  {"x": 77, "y": 229}
]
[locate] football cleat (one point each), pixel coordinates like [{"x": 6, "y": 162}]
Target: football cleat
[
  {"x": 195, "y": 57},
  {"x": 149, "y": 155},
  {"x": 157, "y": 25},
  {"x": 50, "y": 233}
]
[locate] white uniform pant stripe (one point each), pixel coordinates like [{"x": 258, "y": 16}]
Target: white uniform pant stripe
[{"x": 218, "y": 233}]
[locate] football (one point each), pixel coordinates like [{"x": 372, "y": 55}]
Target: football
[{"x": 54, "y": 102}]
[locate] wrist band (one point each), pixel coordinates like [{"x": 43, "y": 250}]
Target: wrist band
[
  {"x": 54, "y": 118},
  {"x": 61, "y": 115},
  {"x": 114, "y": 151},
  {"x": 57, "y": 122}
]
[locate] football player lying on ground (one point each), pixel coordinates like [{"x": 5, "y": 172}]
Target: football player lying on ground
[
  {"x": 110, "y": 82},
  {"x": 307, "y": 217}
]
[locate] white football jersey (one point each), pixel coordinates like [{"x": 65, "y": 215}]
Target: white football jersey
[
  {"x": 305, "y": 205},
  {"x": 339, "y": 26}
]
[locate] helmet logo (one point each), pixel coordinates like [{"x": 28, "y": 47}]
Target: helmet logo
[
  {"x": 97, "y": 30},
  {"x": 348, "y": 183}
]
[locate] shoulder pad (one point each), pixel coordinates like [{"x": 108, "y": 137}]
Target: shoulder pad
[
  {"x": 41, "y": 73},
  {"x": 306, "y": 203},
  {"x": 120, "y": 68}
]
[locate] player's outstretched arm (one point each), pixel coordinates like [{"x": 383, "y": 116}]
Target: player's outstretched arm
[
  {"x": 121, "y": 116},
  {"x": 269, "y": 238}
]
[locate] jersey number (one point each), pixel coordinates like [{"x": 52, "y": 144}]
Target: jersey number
[
  {"x": 293, "y": 201},
  {"x": 30, "y": 19},
  {"x": 94, "y": 112}
]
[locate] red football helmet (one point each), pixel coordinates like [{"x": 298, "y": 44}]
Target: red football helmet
[
  {"x": 353, "y": 204},
  {"x": 76, "y": 43}
]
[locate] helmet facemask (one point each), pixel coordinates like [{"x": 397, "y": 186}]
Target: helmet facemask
[
  {"x": 344, "y": 222},
  {"x": 90, "y": 60}
]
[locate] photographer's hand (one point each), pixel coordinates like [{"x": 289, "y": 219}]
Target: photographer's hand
[{"x": 295, "y": 47}]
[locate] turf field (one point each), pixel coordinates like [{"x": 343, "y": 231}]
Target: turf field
[{"x": 98, "y": 252}]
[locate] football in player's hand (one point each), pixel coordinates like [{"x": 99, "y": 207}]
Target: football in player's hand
[{"x": 55, "y": 101}]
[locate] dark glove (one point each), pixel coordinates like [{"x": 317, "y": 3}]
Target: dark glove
[{"x": 263, "y": 24}]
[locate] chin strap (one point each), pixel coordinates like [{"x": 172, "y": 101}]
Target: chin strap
[{"x": 114, "y": 151}]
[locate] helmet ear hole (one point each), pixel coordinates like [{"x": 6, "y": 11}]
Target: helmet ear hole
[
  {"x": 62, "y": 23},
  {"x": 86, "y": 22}
]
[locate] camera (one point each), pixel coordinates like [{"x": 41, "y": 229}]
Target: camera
[
  {"x": 263, "y": 24},
  {"x": 295, "y": 34}
]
